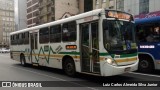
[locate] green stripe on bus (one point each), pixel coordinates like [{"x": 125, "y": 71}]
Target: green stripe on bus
[
  {"x": 70, "y": 53},
  {"x": 128, "y": 55}
]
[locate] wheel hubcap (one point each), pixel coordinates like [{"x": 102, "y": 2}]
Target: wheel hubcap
[
  {"x": 69, "y": 67},
  {"x": 144, "y": 64}
]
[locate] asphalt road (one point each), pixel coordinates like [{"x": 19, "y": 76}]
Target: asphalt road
[{"x": 11, "y": 70}]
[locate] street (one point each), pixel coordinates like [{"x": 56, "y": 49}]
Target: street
[{"x": 11, "y": 70}]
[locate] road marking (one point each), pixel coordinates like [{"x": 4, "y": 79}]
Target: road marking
[
  {"x": 54, "y": 78},
  {"x": 145, "y": 74}
]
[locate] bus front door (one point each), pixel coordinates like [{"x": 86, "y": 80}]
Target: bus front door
[
  {"x": 89, "y": 48},
  {"x": 33, "y": 47}
]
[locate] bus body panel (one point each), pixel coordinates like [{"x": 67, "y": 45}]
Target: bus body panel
[{"x": 152, "y": 50}]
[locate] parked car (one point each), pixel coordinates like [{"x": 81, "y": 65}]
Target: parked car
[{"x": 4, "y": 50}]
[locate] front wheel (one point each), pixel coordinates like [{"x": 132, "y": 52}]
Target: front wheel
[
  {"x": 69, "y": 67},
  {"x": 145, "y": 65}
]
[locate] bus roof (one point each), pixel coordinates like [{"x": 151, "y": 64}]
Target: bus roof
[{"x": 90, "y": 13}]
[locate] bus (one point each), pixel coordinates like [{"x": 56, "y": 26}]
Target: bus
[
  {"x": 148, "y": 35},
  {"x": 99, "y": 42}
]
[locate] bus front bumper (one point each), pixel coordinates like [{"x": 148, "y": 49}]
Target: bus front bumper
[{"x": 109, "y": 70}]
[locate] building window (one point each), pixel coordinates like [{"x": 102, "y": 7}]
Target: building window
[
  {"x": 88, "y": 5},
  {"x": 104, "y": 1},
  {"x": 143, "y": 6},
  {"x": 97, "y": 2},
  {"x": 120, "y": 5},
  {"x": 111, "y": 4}
]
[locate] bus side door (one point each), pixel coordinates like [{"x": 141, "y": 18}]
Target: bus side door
[
  {"x": 34, "y": 47},
  {"x": 89, "y": 47}
]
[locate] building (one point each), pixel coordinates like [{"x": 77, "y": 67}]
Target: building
[
  {"x": 32, "y": 12},
  {"x": 135, "y": 7},
  {"x": 146, "y": 12},
  {"x": 65, "y": 8},
  {"x": 88, "y": 5},
  {"x": 20, "y": 14},
  {"x": 6, "y": 21},
  {"x": 109, "y": 4},
  {"x": 51, "y": 10},
  {"x": 46, "y": 11}
]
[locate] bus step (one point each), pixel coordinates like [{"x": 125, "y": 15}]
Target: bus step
[{"x": 35, "y": 64}]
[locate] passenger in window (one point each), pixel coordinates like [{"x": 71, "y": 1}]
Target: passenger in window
[
  {"x": 150, "y": 36},
  {"x": 65, "y": 34}
]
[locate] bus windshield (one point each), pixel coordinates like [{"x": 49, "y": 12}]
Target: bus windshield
[{"x": 119, "y": 36}]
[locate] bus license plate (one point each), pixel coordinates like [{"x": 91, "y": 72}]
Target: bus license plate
[{"x": 127, "y": 69}]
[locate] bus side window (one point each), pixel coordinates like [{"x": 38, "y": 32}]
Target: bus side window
[
  {"x": 44, "y": 35},
  {"x": 26, "y": 38},
  {"x": 69, "y": 31},
  {"x": 55, "y": 33},
  {"x": 17, "y": 39}
]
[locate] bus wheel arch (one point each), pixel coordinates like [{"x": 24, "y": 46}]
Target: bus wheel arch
[
  {"x": 146, "y": 63},
  {"x": 68, "y": 66},
  {"x": 22, "y": 59}
]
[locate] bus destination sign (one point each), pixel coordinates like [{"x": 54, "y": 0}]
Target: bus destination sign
[{"x": 119, "y": 15}]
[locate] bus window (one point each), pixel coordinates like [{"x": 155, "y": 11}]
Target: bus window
[
  {"x": 69, "y": 31},
  {"x": 55, "y": 33},
  {"x": 148, "y": 34},
  {"x": 118, "y": 35},
  {"x": 21, "y": 38},
  {"x": 11, "y": 38},
  {"x": 44, "y": 35},
  {"x": 26, "y": 38},
  {"x": 17, "y": 39},
  {"x": 14, "y": 40}
]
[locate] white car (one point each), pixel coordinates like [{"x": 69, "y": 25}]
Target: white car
[{"x": 4, "y": 50}]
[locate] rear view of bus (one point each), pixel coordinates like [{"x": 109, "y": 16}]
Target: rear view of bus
[{"x": 119, "y": 42}]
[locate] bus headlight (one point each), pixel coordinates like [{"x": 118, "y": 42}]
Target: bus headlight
[{"x": 110, "y": 61}]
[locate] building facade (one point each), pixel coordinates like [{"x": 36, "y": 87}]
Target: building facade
[
  {"x": 135, "y": 7},
  {"x": 7, "y": 24},
  {"x": 32, "y": 12},
  {"x": 51, "y": 10},
  {"x": 20, "y": 14},
  {"x": 46, "y": 11}
]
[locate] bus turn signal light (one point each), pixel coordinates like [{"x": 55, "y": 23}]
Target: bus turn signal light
[{"x": 71, "y": 47}]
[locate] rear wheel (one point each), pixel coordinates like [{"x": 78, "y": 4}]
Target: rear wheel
[
  {"x": 69, "y": 67},
  {"x": 145, "y": 65},
  {"x": 23, "y": 61}
]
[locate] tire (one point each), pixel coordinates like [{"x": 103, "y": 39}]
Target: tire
[
  {"x": 69, "y": 67},
  {"x": 145, "y": 65},
  {"x": 23, "y": 61}
]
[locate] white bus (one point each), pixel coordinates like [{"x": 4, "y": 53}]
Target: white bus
[{"x": 100, "y": 42}]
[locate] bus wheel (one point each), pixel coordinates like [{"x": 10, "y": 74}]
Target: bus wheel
[
  {"x": 69, "y": 67},
  {"x": 145, "y": 65},
  {"x": 23, "y": 61}
]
